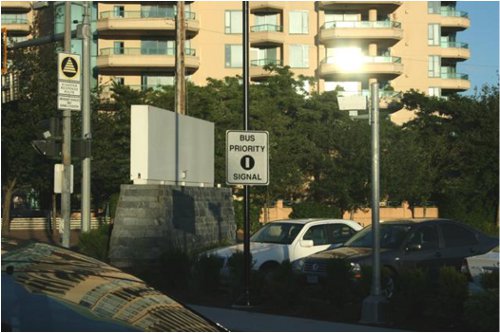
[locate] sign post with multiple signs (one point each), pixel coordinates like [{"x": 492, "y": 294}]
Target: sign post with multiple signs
[
  {"x": 247, "y": 157},
  {"x": 69, "y": 88}
]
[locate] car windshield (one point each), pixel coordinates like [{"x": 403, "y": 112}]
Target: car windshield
[
  {"x": 277, "y": 232},
  {"x": 391, "y": 236}
]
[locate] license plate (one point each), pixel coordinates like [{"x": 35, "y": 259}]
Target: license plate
[{"x": 313, "y": 279}]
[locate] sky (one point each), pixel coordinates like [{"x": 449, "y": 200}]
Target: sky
[{"x": 483, "y": 39}]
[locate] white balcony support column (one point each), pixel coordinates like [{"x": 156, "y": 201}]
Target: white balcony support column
[
  {"x": 372, "y": 50},
  {"x": 372, "y": 15}
]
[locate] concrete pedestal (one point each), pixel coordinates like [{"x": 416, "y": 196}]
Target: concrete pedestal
[{"x": 151, "y": 219}]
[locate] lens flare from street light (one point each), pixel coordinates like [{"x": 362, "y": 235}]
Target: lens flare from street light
[{"x": 348, "y": 59}]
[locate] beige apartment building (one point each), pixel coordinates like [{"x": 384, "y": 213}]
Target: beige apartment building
[{"x": 402, "y": 45}]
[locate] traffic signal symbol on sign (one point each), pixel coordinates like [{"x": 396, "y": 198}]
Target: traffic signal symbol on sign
[
  {"x": 247, "y": 162},
  {"x": 69, "y": 67}
]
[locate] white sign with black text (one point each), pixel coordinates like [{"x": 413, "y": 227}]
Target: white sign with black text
[
  {"x": 247, "y": 157},
  {"x": 68, "y": 72}
]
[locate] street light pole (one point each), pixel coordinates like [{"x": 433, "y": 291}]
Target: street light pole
[
  {"x": 86, "y": 130},
  {"x": 66, "y": 144},
  {"x": 373, "y": 305}
]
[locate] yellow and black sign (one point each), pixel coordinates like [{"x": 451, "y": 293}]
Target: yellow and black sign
[{"x": 69, "y": 67}]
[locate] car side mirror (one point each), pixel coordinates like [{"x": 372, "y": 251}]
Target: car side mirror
[
  {"x": 413, "y": 247},
  {"x": 307, "y": 243}
]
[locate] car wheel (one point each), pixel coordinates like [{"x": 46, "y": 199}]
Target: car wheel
[
  {"x": 268, "y": 269},
  {"x": 388, "y": 283}
]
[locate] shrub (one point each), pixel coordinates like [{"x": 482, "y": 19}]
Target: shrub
[
  {"x": 94, "y": 243},
  {"x": 489, "y": 280},
  {"x": 339, "y": 280},
  {"x": 283, "y": 288},
  {"x": 205, "y": 277},
  {"x": 411, "y": 297},
  {"x": 445, "y": 308},
  {"x": 175, "y": 268},
  {"x": 236, "y": 265},
  {"x": 481, "y": 311}
]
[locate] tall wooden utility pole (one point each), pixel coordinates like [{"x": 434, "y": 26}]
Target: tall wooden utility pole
[{"x": 180, "y": 84}]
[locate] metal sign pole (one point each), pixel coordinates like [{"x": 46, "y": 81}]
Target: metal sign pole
[
  {"x": 66, "y": 145},
  {"x": 86, "y": 131},
  {"x": 373, "y": 305},
  {"x": 246, "y": 69}
]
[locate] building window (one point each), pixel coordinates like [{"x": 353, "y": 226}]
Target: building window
[
  {"x": 119, "y": 47},
  {"x": 234, "y": 56},
  {"x": 299, "y": 22},
  {"x": 434, "y": 34},
  {"x": 434, "y": 7},
  {"x": 434, "y": 92},
  {"x": 119, "y": 80},
  {"x": 434, "y": 66},
  {"x": 233, "y": 22},
  {"x": 119, "y": 11},
  {"x": 299, "y": 56}
]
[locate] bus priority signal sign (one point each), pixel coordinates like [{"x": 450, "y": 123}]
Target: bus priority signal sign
[{"x": 247, "y": 157}]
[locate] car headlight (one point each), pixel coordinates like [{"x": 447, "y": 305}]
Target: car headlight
[
  {"x": 298, "y": 265},
  {"x": 355, "y": 270}
]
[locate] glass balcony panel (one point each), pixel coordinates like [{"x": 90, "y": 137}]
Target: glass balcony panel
[
  {"x": 455, "y": 76},
  {"x": 457, "y": 45},
  {"x": 451, "y": 11},
  {"x": 266, "y": 28},
  {"x": 361, "y": 24},
  {"x": 167, "y": 13},
  {"x": 263, "y": 62},
  {"x": 144, "y": 51}
]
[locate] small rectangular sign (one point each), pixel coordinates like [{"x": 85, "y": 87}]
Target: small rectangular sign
[
  {"x": 69, "y": 88},
  {"x": 66, "y": 102},
  {"x": 247, "y": 157}
]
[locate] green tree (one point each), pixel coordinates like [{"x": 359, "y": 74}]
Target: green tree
[
  {"x": 461, "y": 137},
  {"x": 111, "y": 144},
  {"x": 21, "y": 165}
]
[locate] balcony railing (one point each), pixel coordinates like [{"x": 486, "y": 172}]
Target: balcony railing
[
  {"x": 455, "y": 76},
  {"x": 10, "y": 20},
  {"x": 266, "y": 28},
  {"x": 168, "y": 14},
  {"x": 361, "y": 24},
  {"x": 263, "y": 62},
  {"x": 367, "y": 59},
  {"x": 144, "y": 51},
  {"x": 451, "y": 11},
  {"x": 457, "y": 45}
]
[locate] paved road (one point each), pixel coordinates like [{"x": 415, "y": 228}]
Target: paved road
[{"x": 246, "y": 321}]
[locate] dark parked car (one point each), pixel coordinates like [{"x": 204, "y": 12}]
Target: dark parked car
[
  {"x": 48, "y": 288},
  {"x": 430, "y": 243}
]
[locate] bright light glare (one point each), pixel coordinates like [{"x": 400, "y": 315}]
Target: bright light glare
[{"x": 348, "y": 59}]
